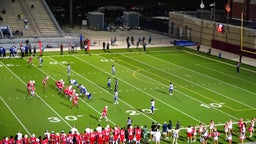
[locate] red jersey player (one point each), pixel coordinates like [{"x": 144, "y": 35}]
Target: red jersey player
[
  {"x": 130, "y": 134},
  {"x": 138, "y": 132},
  {"x": 100, "y": 138},
  {"x": 30, "y": 60},
  {"x": 45, "y": 81},
  {"x": 75, "y": 101},
  {"x": 122, "y": 135},
  {"x": 104, "y": 113},
  {"x": 116, "y": 135},
  {"x": 60, "y": 84}
]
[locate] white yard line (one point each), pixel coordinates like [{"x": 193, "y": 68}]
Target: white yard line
[
  {"x": 15, "y": 116},
  {"x": 202, "y": 86},
  {"x": 176, "y": 89},
  {"x": 106, "y": 90},
  {"x": 38, "y": 96},
  {"x": 145, "y": 92},
  {"x": 51, "y": 77}
]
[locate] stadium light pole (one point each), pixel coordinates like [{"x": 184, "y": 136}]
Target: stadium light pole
[
  {"x": 71, "y": 13},
  {"x": 201, "y": 7}
]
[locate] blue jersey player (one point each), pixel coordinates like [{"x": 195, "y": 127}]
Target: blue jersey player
[
  {"x": 82, "y": 89},
  {"x": 109, "y": 84},
  {"x": 113, "y": 70},
  {"x": 152, "y": 107},
  {"x": 116, "y": 97},
  {"x": 171, "y": 88}
]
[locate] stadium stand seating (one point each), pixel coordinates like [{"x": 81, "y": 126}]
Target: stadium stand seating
[{"x": 40, "y": 22}]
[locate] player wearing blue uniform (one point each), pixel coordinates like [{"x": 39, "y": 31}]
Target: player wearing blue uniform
[
  {"x": 109, "y": 84},
  {"x": 171, "y": 88},
  {"x": 73, "y": 82},
  {"x": 88, "y": 95},
  {"x": 82, "y": 89},
  {"x": 113, "y": 70},
  {"x": 116, "y": 97},
  {"x": 40, "y": 61},
  {"x": 152, "y": 107}
]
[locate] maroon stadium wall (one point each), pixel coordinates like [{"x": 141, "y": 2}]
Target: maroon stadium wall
[{"x": 233, "y": 48}]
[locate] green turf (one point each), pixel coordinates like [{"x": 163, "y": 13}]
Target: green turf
[{"x": 205, "y": 88}]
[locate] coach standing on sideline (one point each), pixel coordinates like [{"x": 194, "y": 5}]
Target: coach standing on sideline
[{"x": 61, "y": 49}]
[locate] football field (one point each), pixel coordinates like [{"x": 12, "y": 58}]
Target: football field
[{"x": 205, "y": 88}]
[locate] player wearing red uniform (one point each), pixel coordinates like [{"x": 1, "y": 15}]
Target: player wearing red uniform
[
  {"x": 116, "y": 135},
  {"x": 122, "y": 136},
  {"x": 60, "y": 84},
  {"x": 11, "y": 140},
  {"x": 92, "y": 137},
  {"x": 32, "y": 91},
  {"x": 63, "y": 138},
  {"x": 25, "y": 139},
  {"x": 75, "y": 101},
  {"x": 106, "y": 133},
  {"x": 138, "y": 134},
  {"x": 57, "y": 138},
  {"x": 52, "y": 138},
  {"x": 130, "y": 134},
  {"x": 45, "y": 140},
  {"x": 100, "y": 138},
  {"x": 30, "y": 60},
  {"x": 29, "y": 85},
  {"x": 104, "y": 113},
  {"x": 33, "y": 139},
  {"x": 45, "y": 81}
]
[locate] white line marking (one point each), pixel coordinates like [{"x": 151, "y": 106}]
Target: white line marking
[
  {"x": 15, "y": 116},
  {"x": 199, "y": 84},
  {"x": 38, "y": 96},
  {"x": 178, "y": 90}
]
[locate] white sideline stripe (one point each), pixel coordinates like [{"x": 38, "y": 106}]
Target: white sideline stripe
[
  {"x": 144, "y": 92},
  {"x": 15, "y": 116},
  {"x": 178, "y": 90},
  {"x": 38, "y": 96},
  {"x": 111, "y": 95},
  {"x": 79, "y": 98},
  {"x": 205, "y": 87}
]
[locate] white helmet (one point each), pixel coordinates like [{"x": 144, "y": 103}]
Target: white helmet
[{"x": 106, "y": 107}]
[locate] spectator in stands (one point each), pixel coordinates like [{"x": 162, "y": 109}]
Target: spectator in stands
[
  {"x": 26, "y": 23},
  {"x": 32, "y": 6},
  {"x": 1, "y": 18}
]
